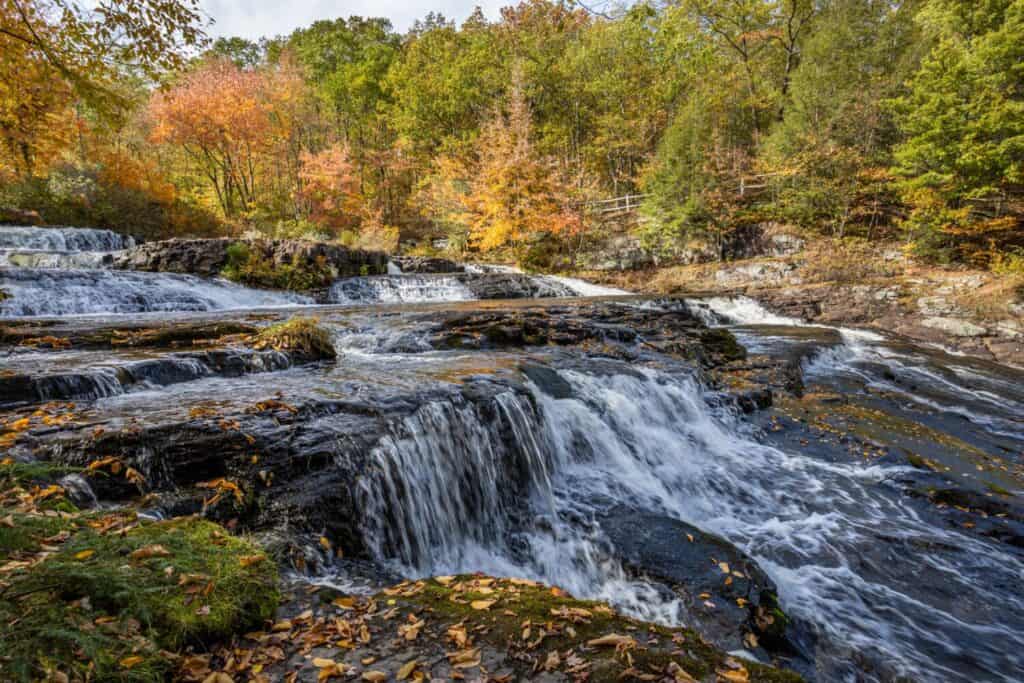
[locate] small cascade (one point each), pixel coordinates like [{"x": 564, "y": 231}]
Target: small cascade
[
  {"x": 398, "y": 289},
  {"x": 62, "y": 239},
  {"x": 446, "y": 482},
  {"x": 522, "y": 492},
  {"x": 394, "y": 268},
  {"x": 583, "y": 288},
  {"x": 32, "y": 292}
]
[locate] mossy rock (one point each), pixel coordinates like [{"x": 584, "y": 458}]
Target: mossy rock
[
  {"x": 107, "y": 606},
  {"x": 249, "y": 266},
  {"x": 303, "y": 337},
  {"x": 531, "y": 621}
]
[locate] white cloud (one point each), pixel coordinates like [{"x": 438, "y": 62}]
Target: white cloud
[{"x": 259, "y": 18}]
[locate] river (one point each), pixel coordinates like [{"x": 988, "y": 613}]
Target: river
[{"x": 883, "y": 500}]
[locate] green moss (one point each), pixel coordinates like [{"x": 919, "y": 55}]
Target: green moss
[
  {"x": 302, "y": 336},
  {"x": 25, "y": 473},
  {"x": 722, "y": 344},
  {"x": 254, "y": 270},
  {"x": 515, "y": 603},
  {"x": 21, "y": 532},
  {"x": 103, "y": 598}
]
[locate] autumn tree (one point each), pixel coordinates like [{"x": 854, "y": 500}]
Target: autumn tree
[
  {"x": 88, "y": 44},
  {"x": 329, "y": 188},
  {"x": 228, "y": 122},
  {"x": 515, "y": 193}
]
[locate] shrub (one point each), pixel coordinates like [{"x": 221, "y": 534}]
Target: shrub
[{"x": 251, "y": 268}]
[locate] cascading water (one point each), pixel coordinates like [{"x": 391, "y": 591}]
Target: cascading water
[
  {"x": 62, "y": 239},
  {"x": 444, "y": 501},
  {"x": 360, "y": 291},
  {"x": 33, "y": 292}
]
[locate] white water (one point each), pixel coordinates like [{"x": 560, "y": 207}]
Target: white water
[
  {"x": 83, "y": 292},
  {"x": 62, "y": 239},
  {"x": 360, "y": 291},
  {"x": 583, "y": 288},
  {"x": 825, "y": 532}
]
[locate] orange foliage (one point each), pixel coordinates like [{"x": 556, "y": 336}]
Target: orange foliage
[
  {"x": 515, "y": 193},
  {"x": 233, "y": 123},
  {"x": 329, "y": 187}
]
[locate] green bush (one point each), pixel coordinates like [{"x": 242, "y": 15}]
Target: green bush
[{"x": 248, "y": 267}]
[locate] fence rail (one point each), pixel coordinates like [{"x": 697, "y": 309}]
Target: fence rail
[{"x": 624, "y": 204}]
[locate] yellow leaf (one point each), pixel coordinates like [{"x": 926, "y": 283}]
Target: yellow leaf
[
  {"x": 85, "y": 554},
  {"x": 129, "y": 662},
  {"x": 150, "y": 551},
  {"x": 375, "y": 676},
  {"x": 612, "y": 640},
  {"x": 406, "y": 670},
  {"x": 481, "y": 604},
  {"x": 444, "y": 580},
  {"x": 249, "y": 560},
  {"x": 724, "y": 566}
]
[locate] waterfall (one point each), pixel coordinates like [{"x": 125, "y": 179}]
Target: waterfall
[
  {"x": 390, "y": 289},
  {"x": 449, "y": 482},
  {"x": 62, "y": 239},
  {"x": 77, "y": 292}
]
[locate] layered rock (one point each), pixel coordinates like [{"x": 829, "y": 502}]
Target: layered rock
[
  {"x": 208, "y": 257},
  {"x": 426, "y": 264}
]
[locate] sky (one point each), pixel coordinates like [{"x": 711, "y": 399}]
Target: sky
[{"x": 258, "y": 18}]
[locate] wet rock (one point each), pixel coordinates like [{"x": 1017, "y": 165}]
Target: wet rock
[
  {"x": 101, "y": 382},
  {"x": 547, "y": 380},
  {"x": 725, "y": 592},
  {"x": 426, "y": 264},
  {"x": 207, "y": 257}
]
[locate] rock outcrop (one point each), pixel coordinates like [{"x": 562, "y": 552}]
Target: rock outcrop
[
  {"x": 427, "y": 264},
  {"x": 207, "y": 257}
]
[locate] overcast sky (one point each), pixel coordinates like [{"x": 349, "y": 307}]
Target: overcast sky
[{"x": 257, "y": 18}]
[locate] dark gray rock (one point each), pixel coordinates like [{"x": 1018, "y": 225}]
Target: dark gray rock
[{"x": 207, "y": 257}]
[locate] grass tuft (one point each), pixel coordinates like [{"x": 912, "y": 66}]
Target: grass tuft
[{"x": 302, "y": 336}]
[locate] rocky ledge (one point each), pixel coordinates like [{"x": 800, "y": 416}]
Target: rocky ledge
[{"x": 208, "y": 257}]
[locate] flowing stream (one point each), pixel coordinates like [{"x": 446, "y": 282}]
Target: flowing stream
[{"x": 529, "y": 483}]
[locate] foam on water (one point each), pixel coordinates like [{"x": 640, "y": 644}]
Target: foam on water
[
  {"x": 583, "y": 288},
  {"x": 851, "y": 557},
  {"x": 34, "y": 292},
  {"x": 359, "y": 291},
  {"x": 62, "y": 239}
]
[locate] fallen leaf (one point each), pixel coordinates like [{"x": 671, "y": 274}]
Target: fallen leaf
[
  {"x": 724, "y": 566},
  {"x": 407, "y": 670},
  {"x": 150, "y": 551},
  {"x": 612, "y": 640},
  {"x": 481, "y": 604},
  {"x": 375, "y": 676},
  {"x": 85, "y": 554},
  {"x": 249, "y": 560},
  {"x": 129, "y": 662}
]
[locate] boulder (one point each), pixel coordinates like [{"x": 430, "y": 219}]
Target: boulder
[{"x": 426, "y": 264}]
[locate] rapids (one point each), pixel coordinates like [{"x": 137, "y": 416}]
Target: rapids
[{"x": 483, "y": 464}]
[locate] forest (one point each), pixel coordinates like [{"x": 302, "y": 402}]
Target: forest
[{"x": 854, "y": 119}]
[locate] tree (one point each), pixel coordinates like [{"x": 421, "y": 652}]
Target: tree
[
  {"x": 89, "y": 44},
  {"x": 329, "y": 188},
  {"x": 228, "y": 121},
  {"x": 963, "y": 119},
  {"x": 515, "y": 194}
]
